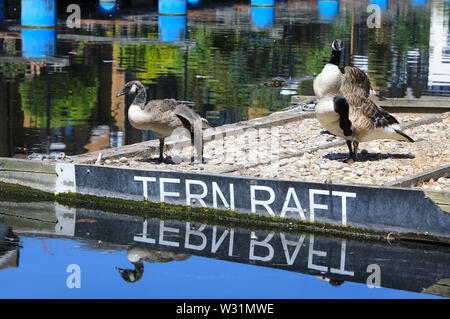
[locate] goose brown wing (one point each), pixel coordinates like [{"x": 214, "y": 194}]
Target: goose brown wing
[
  {"x": 355, "y": 81},
  {"x": 187, "y": 116},
  {"x": 161, "y": 105},
  {"x": 368, "y": 110}
]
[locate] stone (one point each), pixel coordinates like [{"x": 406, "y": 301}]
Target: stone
[{"x": 302, "y": 164}]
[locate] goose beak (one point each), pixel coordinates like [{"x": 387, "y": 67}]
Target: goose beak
[{"x": 121, "y": 93}]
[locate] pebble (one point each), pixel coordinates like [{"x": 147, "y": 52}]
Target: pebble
[
  {"x": 359, "y": 172},
  {"x": 302, "y": 164}
]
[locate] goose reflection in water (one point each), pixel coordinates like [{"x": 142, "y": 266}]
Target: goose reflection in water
[
  {"x": 136, "y": 255},
  {"x": 9, "y": 248}
]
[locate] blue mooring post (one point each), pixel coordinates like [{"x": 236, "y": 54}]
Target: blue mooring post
[
  {"x": 172, "y": 20},
  {"x": 419, "y": 2},
  {"x": 194, "y": 3},
  {"x": 38, "y": 21},
  {"x": 328, "y": 10},
  {"x": 2, "y": 10},
  {"x": 172, "y": 7},
  {"x": 107, "y": 6},
  {"x": 383, "y": 4},
  {"x": 263, "y": 13}
]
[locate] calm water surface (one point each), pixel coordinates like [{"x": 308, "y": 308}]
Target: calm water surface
[
  {"x": 50, "y": 251},
  {"x": 58, "y": 92}
]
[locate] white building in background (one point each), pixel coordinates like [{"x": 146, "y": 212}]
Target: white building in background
[{"x": 439, "y": 62}]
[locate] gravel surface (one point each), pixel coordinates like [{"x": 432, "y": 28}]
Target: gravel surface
[
  {"x": 380, "y": 161},
  {"x": 441, "y": 184}
]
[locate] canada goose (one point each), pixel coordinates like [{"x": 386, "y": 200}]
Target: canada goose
[
  {"x": 332, "y": 79},
  {"x": 357, "y": 119},
  {"x": 136, "y": 255},
  {"x": 163, "y": 117}
]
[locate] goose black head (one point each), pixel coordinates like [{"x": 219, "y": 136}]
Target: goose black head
[
  {"x": 337, "y": 45},
  {"x": 131, "y": 87},
  {"x": 132, "y": 275}
]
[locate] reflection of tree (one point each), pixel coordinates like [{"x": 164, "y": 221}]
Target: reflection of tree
[
  {"x": 72, "y": 97},
  {"x": 388, "y": 47},
  {"x": 269, "y": 97},
  {"x": 12, "y": 69},
  {"x": 152, "y": 60},
  {"x": 226, "y": 67},
  {"x": 263, "y": 57}
]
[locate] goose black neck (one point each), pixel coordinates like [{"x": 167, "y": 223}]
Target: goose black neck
[
  {"x": 335, "y": 57},
  {"x": 342, "y": 108},
  {"x": 141, "y": 97}
]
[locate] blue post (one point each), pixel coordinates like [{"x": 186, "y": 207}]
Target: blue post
[
  {"x": 38, "y": 28},
  {"x": 2, "y": 10},
  {"x": 263, "y": 13},
  {"x": 419, "y": 2},
  {"x": 194, "y": 3},
  {"x": 264, "y": 3},
  {"x": 107, "y": 6},
  {"x": 263, "y": 17},
  {"x": 328, "y": 10},
  {"x": 172, "y": 20},
  {"x": 172, "y": 7},
  {"x": 172, "y": 28},
  {"x": 383, "y": 4}
]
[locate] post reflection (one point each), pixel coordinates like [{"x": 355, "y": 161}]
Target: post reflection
[{"x": 38, "y": 28}]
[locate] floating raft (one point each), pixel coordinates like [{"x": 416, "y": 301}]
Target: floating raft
[{"x": 394, "y": 207}]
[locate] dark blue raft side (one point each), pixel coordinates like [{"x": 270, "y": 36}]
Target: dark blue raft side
[
  {"x": 339, "y": 260},
  {"x": 368, "y": 207}
]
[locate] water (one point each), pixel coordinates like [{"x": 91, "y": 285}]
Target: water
[
  {"x": 60, "y": 95},
  {"x": 50, "y": 251}
]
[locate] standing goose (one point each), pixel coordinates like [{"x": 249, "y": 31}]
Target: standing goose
[
  {"x": 163, "y": 117},
  {"x": 357, "y": 119},
  {"x": 332, "y": 79}
]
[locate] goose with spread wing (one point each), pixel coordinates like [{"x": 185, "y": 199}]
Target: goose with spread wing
[{"x": 163, "y": 117}]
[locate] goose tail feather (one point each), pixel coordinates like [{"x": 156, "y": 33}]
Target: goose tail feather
[{"x": 406, "y": 137}]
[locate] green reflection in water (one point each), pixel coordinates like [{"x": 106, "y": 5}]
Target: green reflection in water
[
  {"x": 12, "y": 69},
  {"x": 72, "y": 96}
]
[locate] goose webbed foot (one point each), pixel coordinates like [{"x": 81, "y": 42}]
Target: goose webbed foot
[
  {"x": 197, "y": 161},
  {"x": 353, "y": 152}
]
